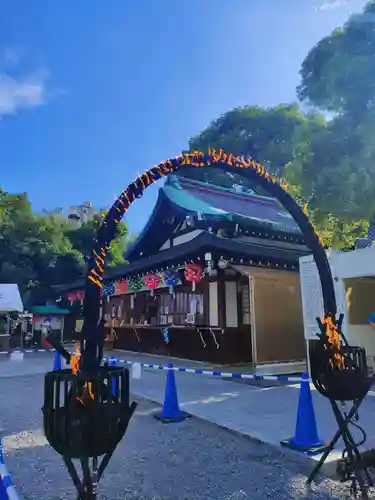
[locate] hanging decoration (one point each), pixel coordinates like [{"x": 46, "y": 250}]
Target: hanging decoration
[
  {"x": 202, "y": 339},
  {"x": 222, "y": 264},
  {"x": 214, "y": 338},
  {"x": 166, "y": 335},
  {"x": 119, "y": 311},
  {"x": 114, "y": 313},
  {"x": 71, "y": 297},
  {"x": 209, "y": 263},
  {"x": 194, "y": 273},
  {"x": 80, "y": 295},
  {"x": 108, "y": 289},
  {"x": 171, "y": 278},
  {"x": 121, "y": 287},
  {"x": 152, "y": 281},
  {"x": 137, "y": 335},
  {"x": 135, "y": 284}
]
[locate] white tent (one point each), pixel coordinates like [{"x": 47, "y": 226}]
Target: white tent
[{"x": 10, "y": 298}]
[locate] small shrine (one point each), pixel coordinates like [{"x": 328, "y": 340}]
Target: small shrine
[{"x": 213, "y": 276}]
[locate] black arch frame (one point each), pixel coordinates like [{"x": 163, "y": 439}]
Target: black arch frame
[{"x": 214, "y": 159}]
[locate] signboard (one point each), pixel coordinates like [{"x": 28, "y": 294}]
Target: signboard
[
  {"x": 10, "y": 298},
  {"x": 79, "y": 325},
  {"x": 312, "y": 298}
]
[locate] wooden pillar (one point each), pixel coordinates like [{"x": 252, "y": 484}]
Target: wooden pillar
[
  {"x": 253, "y": 320},
  {"x": 62, "y": 329}
]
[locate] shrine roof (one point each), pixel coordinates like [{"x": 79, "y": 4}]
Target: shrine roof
[{"x": 181, "y": 196}]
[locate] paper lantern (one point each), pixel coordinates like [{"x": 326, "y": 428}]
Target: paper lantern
[
  {"x": 71, "y": 297},
  {"x": 108, "y": 289},
  {"x": 166, "y": 335},
  {"x": 194, "y": 273},
  {"x": 121, "y": 287},
  {"x": 152, "y": 281},
  {"x": 80, "y": 295},
  {"x": 135, "y": 284},
  {"x": 171, "y": 278}
]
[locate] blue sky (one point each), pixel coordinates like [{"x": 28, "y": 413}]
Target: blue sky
[{"x": 93, "y": 92}]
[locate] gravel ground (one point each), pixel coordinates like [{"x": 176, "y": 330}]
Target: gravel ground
[{"x": 192, "y": 460}]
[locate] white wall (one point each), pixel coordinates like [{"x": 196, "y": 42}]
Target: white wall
[
  {"x": 231, "y": 306},
  {"x": 213, "y": 304},
  {"x": 183, "y": 238},
  {"x": 166, "y": 245},
  {"x": 354, "y": 264},
  {"x": 186, "y": 237},
  {"x": 344, "y": 265},
  {"x": 363, "y": 336}
]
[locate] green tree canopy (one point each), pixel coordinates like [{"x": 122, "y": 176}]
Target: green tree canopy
[
  {"x": 274, "y": 136},
  {"x": 300, "y": 146},
  {"x": 280, "y": 138},
  {"x": 338, "y": 75},
  {"x": 39, "y": 251},
  {"x": 82, "y": 237}
]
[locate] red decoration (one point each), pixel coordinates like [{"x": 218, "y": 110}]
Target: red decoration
[
  {"x": 193, "y": 272},
  {"x": 72, "y": 297},
  {"x": 152, "y": 281},
  {"x": 80, "y": 295},
  {"x": 121, "y": 287},
  {"x": 46, "y": 344}
]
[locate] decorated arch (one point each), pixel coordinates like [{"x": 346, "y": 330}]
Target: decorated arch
[
  {"x": 102, "y": 392},
  {"x": 197, "y": 159}
]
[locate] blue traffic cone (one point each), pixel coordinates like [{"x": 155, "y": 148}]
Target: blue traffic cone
[
  {"x": 306, "y": 437},
  {"x": 171, "y": 410},
  {"x": 7, "y": 490},
  {"x": 112, "y": 361},
  {"x": 3, "y": 491},
  {"x": 57, "y": 362}
]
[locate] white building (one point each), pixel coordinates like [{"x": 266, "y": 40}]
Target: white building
[
  {"x": 354, "y": 281},
  {"x": 80, "y": 214}
]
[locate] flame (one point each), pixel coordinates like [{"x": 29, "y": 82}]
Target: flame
[
  {"x": 88, "y": 388},
  {"x": 74, "y": 360},
  {"x": 333, "y": 337},
  {"x": 87, "y": 392}
]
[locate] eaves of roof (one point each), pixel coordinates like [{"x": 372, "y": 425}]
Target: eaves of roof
[{"x": 201, "y": 244}]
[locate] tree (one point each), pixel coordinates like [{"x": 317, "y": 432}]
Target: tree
[
  {"x": 328, "y": 163},
  {"x": 299, "y": 146},
  {"x": 31, "y": 246},
  {"x": 38, "y": 252},
  {"x": 338, "y": 73},
  {"x": 280, "y": 138},
  {"x": 82, "y": 238},
  {"x": 273, "y": 136}
]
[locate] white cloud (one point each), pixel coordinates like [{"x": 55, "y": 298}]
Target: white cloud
[
  {"x": 20, "y": 87},
  {"x": 330, "y": 4},
  {"x": 11, "y": 56},
  {"x": 22, "y": 92}
]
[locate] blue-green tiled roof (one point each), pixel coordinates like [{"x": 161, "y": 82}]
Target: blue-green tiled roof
[{"x": 49, "y": 310}]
